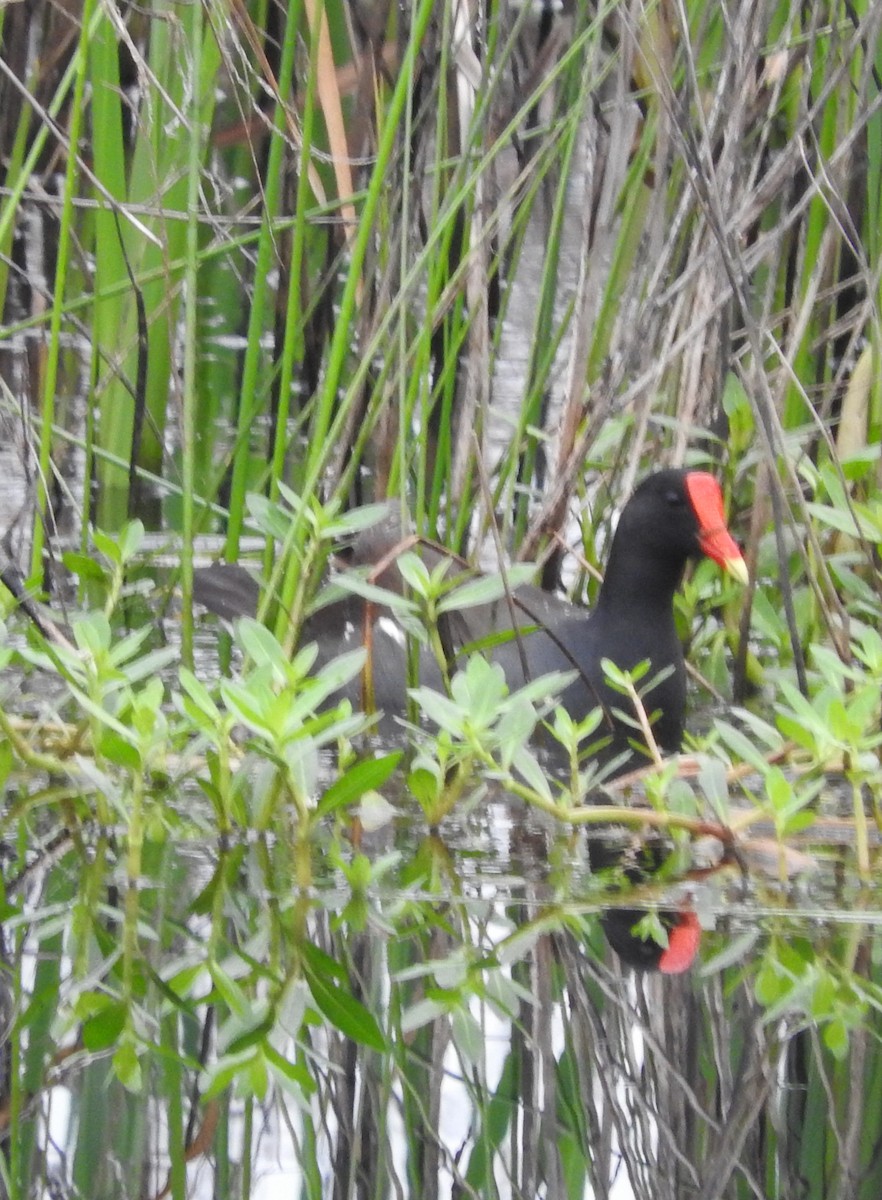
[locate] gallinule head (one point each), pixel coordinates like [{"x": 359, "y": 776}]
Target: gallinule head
[
  {"x": 672, "y": 516},
  {"x": 645, "y": 953}
]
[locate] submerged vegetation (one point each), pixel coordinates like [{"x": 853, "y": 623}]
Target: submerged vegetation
[{"x": 261, "y": 268}]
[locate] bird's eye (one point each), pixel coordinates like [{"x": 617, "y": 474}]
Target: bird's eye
[{"x": 675, "y": 499}]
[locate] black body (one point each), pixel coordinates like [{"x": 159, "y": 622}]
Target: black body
[{"x": 632, "y": 622}]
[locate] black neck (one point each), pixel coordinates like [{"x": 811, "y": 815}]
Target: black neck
[{"x": 638, "y": 581}]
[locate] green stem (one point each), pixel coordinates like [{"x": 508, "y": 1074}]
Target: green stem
[
  {"x": 62, "y": 265},
  {"x": 250, "y": 396},
  {"x": 861, "y": 834},
  {"x": 134, "y": 855},
  {"x": 191, "y": 320},
  {"x": 31, "y": 758},
  {"x": 603, "y": 814},
  {"x": 292, "y": 346}
]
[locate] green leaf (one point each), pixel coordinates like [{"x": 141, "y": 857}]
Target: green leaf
[
  {"x": 101, "y": 714},
  {"x": 549, "y": 688},
  {"x": 252, "y": 1034},
  {"x": 248, "y": 704},
  {"x": 352, "y": 583},
  {"x": 798, "y": 822},
  {"x": 737, "y": 949},
  {"x": 149, "y": 665},
  {"x": 130, "y": 539},
  {"x": 496, "y": 1117},
  {"x": 359, "y": 872},
  {"x": 486, "y": 588},
  {"x": 740, "y": 745},
  {"x": 869, "y": 649},
  {"x": 771, "y": 987},
  {"x": 303, "y": 660},
  {"x": 257, "y": 1076},
  {"x": 124, "y": 648},
  {"x": 338, "y": 1005},
  {"x": 335, "y": 674},
  {"x": 359, "y": 519},
  {"x": 119, "y": 750},
  {"x": 500, "y": 637},
  {"x": 294, "y": 499},
  {"x": 127, "y": 1067},
  {"x": 223, "y": 1073},
  {"x": 839, "y": 723},
  {"x": 793, "y": 729},
  {"x": 715, "y": 789},
  {"x": 232, "y": 995},
  {"x": 805, "y": 712},
  {"x": 856, "y": 521},
  {"x": 345, "y": 1012},
  {"x": 620, "y": 679},
  {"x": 107, "y": 546},
  {"x": 480, "y": 690},
  {"x": 778, "y": 788},
  {"x": 415, "y": 573},
  {"x": 270, "y": 518},
  {"x": 92, "y": 633},
  {"x": 515, "y": 727},
  {"x": 258, "y": 643},
  {"x": 200, "y": 695},
  {"x": 365, "y": 776},
  {"x": 7, "y": 759},
  {"x": 738, "y": 408},
  {"x": 527, "y": 766},
  {"x": 439, "y": 709},
  {"x": 103, "y": 1028},
  {"x": 293, "y": 1077},
  {"x": 84, "y": 567},
  {"x": 421, "y": 1013},
  {"x": 468, "y": 1037},
  {"x": 835, "y": 1037},
  {"x": 321, "y": 963},
  {"x": 425, "y": 782}
]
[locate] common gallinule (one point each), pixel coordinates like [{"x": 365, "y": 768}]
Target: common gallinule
[{"x": 672, "y": 516}]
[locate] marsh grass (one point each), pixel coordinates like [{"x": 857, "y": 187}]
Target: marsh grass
[{"x": 365, "y": 200}]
